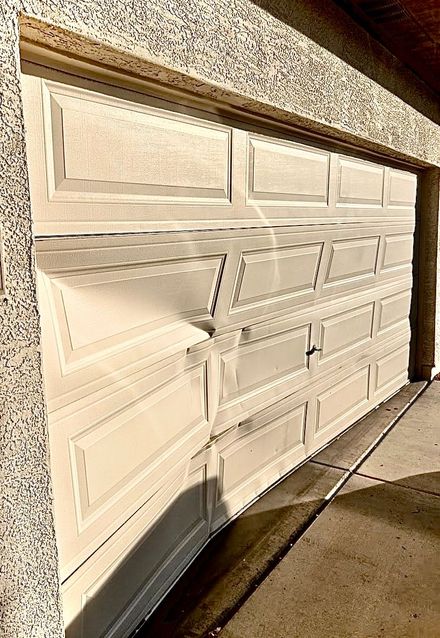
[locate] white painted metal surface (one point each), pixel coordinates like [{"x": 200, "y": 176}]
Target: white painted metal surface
[{"x": 187, "y": 370}]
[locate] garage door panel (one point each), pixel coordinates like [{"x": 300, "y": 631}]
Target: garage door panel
[
  {"x": 256, "y": 454},
  {"x": 346, "y": 330},
  {"x": 263, "y": 361},
  {"x": 265, "y": 276},
  {"x": 338, "y": 402},
  {"x": 352, "y": 259},
  {"x": 402, "y": 189},
  {"x": 119, "y": 453},
  {"x": 391, "y": 368},
  {"x": 394, "y": 311},
  {"x": 360, "y": 183},
  {"x": 287, "y": 173},
  {"x": 105, "y": 318},
  {"x": 138, "y": 439},
  {"x": 398, "y": 252},
  {"x": 108, "y": 159},
  {"x": 129, "y": 303},
  {"x": 113, "y": 306},
  {"x": 341, "y": 400},
  {"x": 257, "y": 366},
  {"x": 111, "y": 591},
  {"x": 115, "y": 150}
]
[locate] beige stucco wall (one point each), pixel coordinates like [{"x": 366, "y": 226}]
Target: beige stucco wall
[
  {"x": 235, "y": 51},
  {"x": 29, "y": 601}
]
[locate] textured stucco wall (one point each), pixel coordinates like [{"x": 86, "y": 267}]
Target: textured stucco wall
[
  {"x": 233, "y": 50},
  {"x": 29, "y": 600},
  {"x": 328, "y": 25}
]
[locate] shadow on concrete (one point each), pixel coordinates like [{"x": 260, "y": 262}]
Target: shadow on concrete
[
  {"x": 367, "y": 567},
  {"x": 231, "y": 568},
  {"x": 223, "y": 574},
  {"x": 392, "y": 501}
]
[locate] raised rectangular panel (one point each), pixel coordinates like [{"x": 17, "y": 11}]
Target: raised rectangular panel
[
  {"x": 114, "y": 590},
  {"x": 265, "y": 276},
  {"x": 345, "y": 330},
  {"x": 113, "y": 452},
  {"x": 105, "y": 149},
  {"x": 255, "y": 454},
  {"x": 398, "y": 251},
  {"x": 394, "y": 309},
  {"x": 391, "y": 367},
  {"x": 256, "y": 367},
  {"x": 341, "y": 400},
  {"x": 402, "y": 188},
  {"x": 360, "y": 182},
  {"x": 98, "y": 312},
  {"x": 253, "y": 450},
  {"x": 352, "y": 259},
  {"x": 284, "y": 172},
  {"x": 111, "y": 455},
  {"x": 263, "y": 362}
]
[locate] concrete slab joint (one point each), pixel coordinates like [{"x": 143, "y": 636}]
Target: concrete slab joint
[{"x": 223, "y": 51}]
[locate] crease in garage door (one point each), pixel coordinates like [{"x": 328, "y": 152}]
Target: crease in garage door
[{"x": 187, "y": 370}]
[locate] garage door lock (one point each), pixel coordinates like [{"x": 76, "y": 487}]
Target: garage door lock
[{"x": 312, "y": 350}]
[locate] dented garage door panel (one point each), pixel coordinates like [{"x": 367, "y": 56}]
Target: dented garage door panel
[
  {"x": 119, "y": 449},
  {"x": 188, "y": 371},
  {"x": 127, "y": 576},
  {"x": 156, "y": 296},
  {"x": 345, "y": 333}
]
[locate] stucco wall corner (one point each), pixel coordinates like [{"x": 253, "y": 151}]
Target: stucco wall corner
[{"x": 30, "y": 601}]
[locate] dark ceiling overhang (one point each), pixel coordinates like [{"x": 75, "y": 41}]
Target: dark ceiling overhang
[{"x": 410, "y": 29}]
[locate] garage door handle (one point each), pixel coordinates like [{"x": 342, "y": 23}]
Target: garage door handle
[{"x": 313, "y": 350}]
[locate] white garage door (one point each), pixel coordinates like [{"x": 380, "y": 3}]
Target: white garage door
[{"x": 188, "y": 369}]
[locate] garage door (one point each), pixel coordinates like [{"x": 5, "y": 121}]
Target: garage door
[{"x": 218, "y": 301}]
